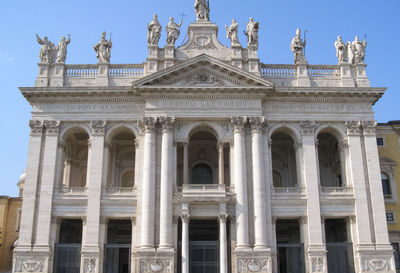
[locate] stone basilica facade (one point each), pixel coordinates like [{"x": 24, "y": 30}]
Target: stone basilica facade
[{"x": 202, "y": 159}]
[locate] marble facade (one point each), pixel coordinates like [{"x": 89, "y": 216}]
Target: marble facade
[{"x": 122, "y": 142}]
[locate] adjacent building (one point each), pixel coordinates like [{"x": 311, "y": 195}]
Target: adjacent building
[{"x": 203, "y": 159}]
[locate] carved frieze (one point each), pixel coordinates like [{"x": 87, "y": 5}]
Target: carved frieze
[
  {"x": 253, "y": 265},
  {"x": 307, "y": 127},
  {"x": 256, "y": 123},
  {"x": 30, "y": 265},
  {"x": 353, "y": 127},
  {"x": 148, "y": 124},
  {"x": 36, "y": 127},
  {"x": 157, "y": 265},
  {"x": 238, "y": 123},
  {"x": 371, "y": 264},
  {"x": 167, "y": 123},
  {"x": 90, "y": 265},
  {"x": 202, "y": 42},
  {"x": 369, "y": 127},
  {"x": 52, "y": 127},
  {"x": 317, "y": 264},
  {"x": 98, "y": 127}
]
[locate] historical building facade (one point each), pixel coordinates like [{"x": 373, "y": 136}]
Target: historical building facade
[
  {"x": 203, "y": 159},
  {"x": 389, "y": 157}
]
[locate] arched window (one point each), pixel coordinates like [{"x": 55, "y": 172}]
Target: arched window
[
  {"x": 385, "y": 185},
  {"x": 202, "y": 174}
]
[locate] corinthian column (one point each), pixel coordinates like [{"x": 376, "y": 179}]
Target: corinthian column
[
  {"x": 260, "y": 221},
  {"x": 185, "y": 242},
  {"x": 148, "y": 184},
  {"x": 166, "y": 183},
  {"x": 240, "y": 176},
  {"x": 223, "y": 247}
]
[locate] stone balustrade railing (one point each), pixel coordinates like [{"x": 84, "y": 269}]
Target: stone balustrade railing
[
  {"x": 203, "y": 187},
  {"x": 71, "y": 190},
  {"x": 134, "y": 71},
  {"x": 81, "y": 70},
  {"x": 324, "y": 71},
  {"x": 288, "y": 189},
  {"x": 118, "y": 190},
  {"x": 278, "y": 70},
  {"x": 336, "y": 189}
]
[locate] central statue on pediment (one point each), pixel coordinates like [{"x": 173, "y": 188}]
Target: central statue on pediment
[{"x": 202, "y": 9}]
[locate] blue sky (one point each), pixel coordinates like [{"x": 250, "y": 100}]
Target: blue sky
[{"x": 20, "y": 20}]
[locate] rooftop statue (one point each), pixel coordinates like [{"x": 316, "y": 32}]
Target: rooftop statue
[
  {"x": 47, "y": 51},
  {"x": 358, "y": 50},
  {"x": 62, "y": 49},
  {"x": 232, "y": 33},
  {"x": 252, "y": 32},
  {"x": 297, "y": 46},
  {"x": 173, "y": 30},
  {"x": 202, "y": 9},
  {"x": 341, "y": 50},
  {"x": 154, "y": 31},
  {"x": 103, "y": 49}
]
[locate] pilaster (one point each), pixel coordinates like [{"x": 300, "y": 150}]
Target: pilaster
[
  {"x": 47, "y": 186},
  {"x": 91, "y": 248},
  {"x": 152, "y": 60},
  {"x": 302, "y": 75},
  {"x": 361, "y": 74},
  {"x": 57, "y": 79},
  {"x": 42, "y": 79},
  {"x": 102, "y": 76},
  {"x": 316, "y": 251},
  {"x": 346, "y": 75},
  {"x": 169, "y": 56}
]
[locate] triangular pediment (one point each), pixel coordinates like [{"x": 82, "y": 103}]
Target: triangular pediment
[
  {"x": 387, "y": 161},
  {"x": 203, "y": 71}
]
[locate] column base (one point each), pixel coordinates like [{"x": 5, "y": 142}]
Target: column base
[
  {"x": 375, "y": 260},
  {"x": 249, "y": 261},
  {"x": 90, "y": 260},
  {"x": 154, "y": 261},
  {"x": 317, "y": 262},
  {"x": 32, "y": 261}
]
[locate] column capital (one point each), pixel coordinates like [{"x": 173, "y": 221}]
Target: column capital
[
  {"x": 98, "y": 127},
  {"x": 238, "y": 123},
  {"x": 222, "y": 217},
  {"x": 52, "y": 127},
  {"x": 307, "y": 127},
  {"x": 148, "y": 124},
  {"x": 185, "y": 217},
  {"x": 369, "y": 127},
  {"x": 257, "y": 124},
  {"x": 36, "y": 127},
  {"x": 353, "y": 127},
  {"x": 167, "y": 123}
]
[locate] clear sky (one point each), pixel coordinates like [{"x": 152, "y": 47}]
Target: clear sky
[{"x": 20, "y": 20}]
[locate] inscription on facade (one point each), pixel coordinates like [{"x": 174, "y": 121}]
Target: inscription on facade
[
  {"x": 317, "y": 107},
  {"x": 209, "y": 103},
  {"x": 87, "y": 108}
]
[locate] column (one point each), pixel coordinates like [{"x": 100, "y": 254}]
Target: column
[
  {"x": 30, "y": 187},
  {"x": 260, "y": 221},
  {"x": 91, "y": 248},
  {"x": 316, "y": 249},
  {"x": 357, "y": 178},
  {"x": 268, "y": 187},
  {"x": 185, "y": 217},
  {"x": 221, "y": 163},
  {"x": 223, "y": 243},
  {"x": 167, "y": 167},
  {"x": 148, "y": 184},
  {"x": 47, "y": 185},
  {"x": 375, "y": 184},
  {"x": 185, "y": 163},
  {"x": 240, "y": 176}
]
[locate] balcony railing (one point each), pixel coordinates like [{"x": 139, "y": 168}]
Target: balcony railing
[
  {"x": 289, "y": 71},
  {"x": 121, "y": 190},
  {"x": 336, "y": 189},
  {"x": 203, "y": 187},
  {"x": 71, "y": 190},
  {"x": 288, "y": 189},
  {"x": 134, "y": 71},
  {"x": 81, "y": 70}
]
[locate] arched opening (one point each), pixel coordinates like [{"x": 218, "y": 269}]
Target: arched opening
[
  {"x": 284, "y": 166},
  {"x": 387, "y": 191},
  {"x": 201, "y": 174},
  {"x": 203, "y": 157},
  {"x": 121, "y": 163},
  {"x": 75, "y": 155},
  {"x": 330, "y": 163}
]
